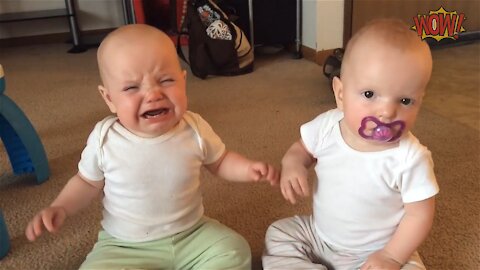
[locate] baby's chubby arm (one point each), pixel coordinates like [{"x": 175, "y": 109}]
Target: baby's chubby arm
[
  {"x": 235, "y": 167},
  {"x": 76, "y": 195},
  {"x": 411, "y": 232},
  {"x": 295, "y": 164}
]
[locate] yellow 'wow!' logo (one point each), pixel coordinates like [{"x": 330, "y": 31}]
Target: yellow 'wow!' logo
[{"x": 439, "y": 24}]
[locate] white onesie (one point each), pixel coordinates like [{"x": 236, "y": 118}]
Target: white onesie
[{"x": 152, "y": 185}]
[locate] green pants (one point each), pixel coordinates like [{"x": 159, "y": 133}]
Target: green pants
[{"x": 207, "y": 245}]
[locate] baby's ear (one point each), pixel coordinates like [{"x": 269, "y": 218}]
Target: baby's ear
[
  {"x": 337, "y": 86},
  {"x": 106, "y": 97}
]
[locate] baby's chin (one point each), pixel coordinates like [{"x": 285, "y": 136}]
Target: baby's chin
[
  {"x": 152, "y": 131},
  {"x": 368, "y": 145},
  {"x": 382, "y": 145}
]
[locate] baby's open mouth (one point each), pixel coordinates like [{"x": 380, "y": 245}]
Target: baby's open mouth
[{"x": 155, "y": 113}]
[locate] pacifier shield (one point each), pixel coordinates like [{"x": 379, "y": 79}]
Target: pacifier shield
[{"x": 383, "y": 132}]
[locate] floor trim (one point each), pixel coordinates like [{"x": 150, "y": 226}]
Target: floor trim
[{"x": 314, "y": 56}]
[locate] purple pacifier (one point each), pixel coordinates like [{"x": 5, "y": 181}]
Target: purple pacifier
[{"x": 384, "y": 132}]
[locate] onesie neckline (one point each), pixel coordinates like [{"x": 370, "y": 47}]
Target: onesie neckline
[{"x": 138, "y": 139}]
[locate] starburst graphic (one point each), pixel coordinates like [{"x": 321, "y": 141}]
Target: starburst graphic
[{"x": 439, "y": 24}]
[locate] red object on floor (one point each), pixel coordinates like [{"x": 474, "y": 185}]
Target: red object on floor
[{"x": 156, "y": 13}]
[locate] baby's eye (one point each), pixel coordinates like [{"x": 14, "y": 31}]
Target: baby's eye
[
  {"x": 368, "y": 94},
  {"x": 131, "y": 87},
  {"x": 406, "y": 101},
  {"x": 166, "y": 80}
]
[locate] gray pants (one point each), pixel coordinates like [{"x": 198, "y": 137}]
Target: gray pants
[{"x": 292, "y": 243}]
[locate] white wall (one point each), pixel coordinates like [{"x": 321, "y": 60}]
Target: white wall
[
  {"x": 329, "y": 24},
  {"x": 322, "y": 24},
  {"x": 322, "y": 20},
  {"x": 309, "y": 23}
]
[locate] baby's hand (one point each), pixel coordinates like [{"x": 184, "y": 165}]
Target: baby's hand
[
  {"x": 294, "y": 181},
  {"x": 51, "y": 218},
  {"x": 381, "y": 260},
  {"x": 260, "y": 170}
]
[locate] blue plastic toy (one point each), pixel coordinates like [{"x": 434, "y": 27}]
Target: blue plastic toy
[
  {"x": 24, "y": 148},
  {"x": 4, "y": 239}
]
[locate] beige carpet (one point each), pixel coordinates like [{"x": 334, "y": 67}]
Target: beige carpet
[{"x": 258, "y": 115}]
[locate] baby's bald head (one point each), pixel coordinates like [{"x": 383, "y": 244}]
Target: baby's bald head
[
  {"x": 132, "y": 38},
  {"x": 383, "y": 33}
]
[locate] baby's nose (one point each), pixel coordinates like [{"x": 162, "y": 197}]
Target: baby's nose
[
  {"x": 387, "y": 111},
  {"x": 154, "y": 94}
]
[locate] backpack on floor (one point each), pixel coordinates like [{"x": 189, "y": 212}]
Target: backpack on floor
[
  {"x": 216, "y": 46},
  {"x": 333, "y": 64}
]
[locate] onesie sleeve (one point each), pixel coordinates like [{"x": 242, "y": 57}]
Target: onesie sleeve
[
  {"x": 418, "y": 181},
  {"x": 212, "y": 145},
  {"x": 89, "y": 165},
  {"x": 313, "y": 132}
]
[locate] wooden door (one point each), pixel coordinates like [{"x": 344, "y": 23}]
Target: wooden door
[{"x": 359, "y": 12}]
